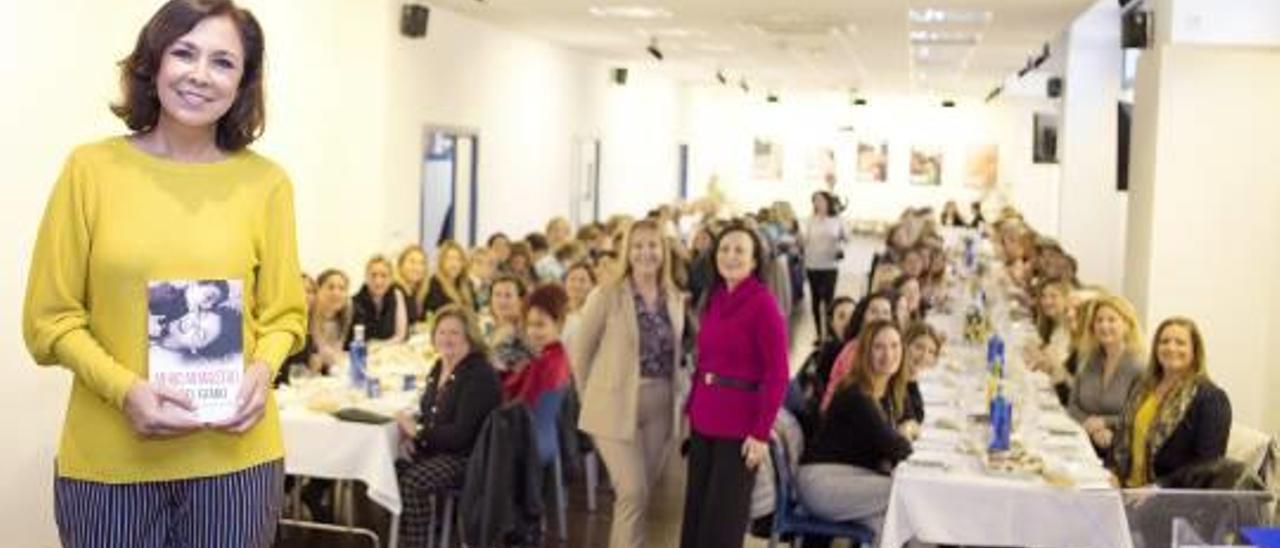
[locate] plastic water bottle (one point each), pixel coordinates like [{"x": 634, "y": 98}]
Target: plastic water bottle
[
  {"x": 358, "y": 353},
  {"x": 1001, "y": 422}
]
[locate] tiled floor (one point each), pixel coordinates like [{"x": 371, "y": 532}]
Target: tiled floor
[{"x": 591, "y": 529}]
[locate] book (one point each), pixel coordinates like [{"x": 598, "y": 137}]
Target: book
[{"x": 196, "y": 341}]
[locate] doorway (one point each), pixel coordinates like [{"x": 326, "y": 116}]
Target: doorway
[{"x": 450, "y": 187}]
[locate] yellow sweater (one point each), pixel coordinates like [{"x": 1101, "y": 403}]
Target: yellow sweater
[{"x": 118, "y": 218}]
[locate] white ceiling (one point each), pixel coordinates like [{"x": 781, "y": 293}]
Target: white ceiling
[{"x": 779, "y": 45}]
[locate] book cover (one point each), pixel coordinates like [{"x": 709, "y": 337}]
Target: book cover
[{"x": 196, "y": 341}]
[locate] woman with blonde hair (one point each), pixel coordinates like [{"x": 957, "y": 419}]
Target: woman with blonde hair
[
  {"x": 1175, "y": 417},
  {"x": 411, "y": 276},
  {"x": 451, "y": 284},
  {"x": 1109, "y": 365},
  {"x": 379, "y": 305},
  {"x": 626, "y": 358}
]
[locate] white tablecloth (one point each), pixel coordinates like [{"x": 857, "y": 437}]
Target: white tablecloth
[
  {"x": 942, "y": 507},
  {"x": 319, "y": 445},
  {"x": 964, "y": 504}
]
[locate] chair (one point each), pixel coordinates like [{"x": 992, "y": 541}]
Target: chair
[
  {"x": 791, "y": 518},
  {"x": 547, "y": 440}
]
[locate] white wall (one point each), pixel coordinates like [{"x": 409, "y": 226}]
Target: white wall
[
  {"x": 723, "y": 122},
  {"x": 345, "y": 118},
  {"x": 1092, "y": 212},
  {"x": 1206, "y": 193},
  {"x": 528, "y": 100}
]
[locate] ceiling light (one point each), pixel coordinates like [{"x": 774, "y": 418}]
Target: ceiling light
[
  {"x": 743, "y": 84},
  {"x": 720, "y": 77},
  {"x": 944, "y": 37},
  {"x": 653, "y": 49},
  {"x": 934, "y": 15},
  {"x": 629, "y": 12},
  {"x": 674, "y": 32}
]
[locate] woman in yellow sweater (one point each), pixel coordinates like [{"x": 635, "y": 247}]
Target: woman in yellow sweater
[{"x": 181, "y": 198}]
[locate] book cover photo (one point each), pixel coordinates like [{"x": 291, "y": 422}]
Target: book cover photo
[{"x": 196, "y": 341}]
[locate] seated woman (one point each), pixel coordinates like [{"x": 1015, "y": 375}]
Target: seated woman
[
  {"x": 481, "y": 270},
  {"x": 1175, "y": 417},
  {"x": 923, "y": 343},
  {"x": 844, "y": 472},
  {"x": 579, "y": 280},
  {"x": 874, "y": 307},
  {"x": 1108, "y": 369},
  {"x": 1053, "y": 346},
  {"x": 330, "y": 319},
  {"x": 460, "y": 392},
  {"x": 308, "y": 357},
  {"x": 451, "y": 284},
  {"x": 544, "y": 311},
  {"x": 910, "y": 305},
  {"x": 502, "y": 326},
  {"x": 411, "y": 277},
  {"x": 379, "y": 306}
]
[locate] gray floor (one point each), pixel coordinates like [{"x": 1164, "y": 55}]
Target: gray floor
[{"x": 591, "y": 529}]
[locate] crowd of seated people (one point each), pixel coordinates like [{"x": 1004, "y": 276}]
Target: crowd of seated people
[
  {"x": 1151, "y": 417},
  {"x": 647, "y": 321}
]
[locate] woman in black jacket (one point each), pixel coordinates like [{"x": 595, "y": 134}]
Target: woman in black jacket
[
  {"x": 1175, "y": 417},
  {"x": 844, "y": 473},
  {"x": 462, "y": 389}
]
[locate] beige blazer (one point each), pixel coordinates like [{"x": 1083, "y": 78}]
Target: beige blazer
[{"x": 605, "y": 357}]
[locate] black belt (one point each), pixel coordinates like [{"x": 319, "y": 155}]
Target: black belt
[{"x": 710, "y": 378}]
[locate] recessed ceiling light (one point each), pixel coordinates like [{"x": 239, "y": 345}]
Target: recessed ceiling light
[
  {"x": 945, "y": 37},
  {"x": 630, "y": 12},
  {"x": 673, "y": 33},
  {"x": 935, "y": 15}
]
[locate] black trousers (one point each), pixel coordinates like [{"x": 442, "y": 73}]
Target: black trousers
[
  {"x": 717, "y": 498},
  {"x": 822, "y": 290}
]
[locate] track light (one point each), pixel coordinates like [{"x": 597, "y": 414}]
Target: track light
[
  {"x": 743, "y": 84},
  {"x": 653, "y": 49},
  {"x": 772, "y": 98},
  {"x": 720, "y": 77}
]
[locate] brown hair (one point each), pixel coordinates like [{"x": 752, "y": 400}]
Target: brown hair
[
  {"x": 860, "y": 377},
  {"x": 470, "y": 326},
  {"x": 139, "y": 106},
  {"x": 1155, "y": 370},
  {"x": 550, "y": 298}
]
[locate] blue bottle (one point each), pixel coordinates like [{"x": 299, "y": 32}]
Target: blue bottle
[
  {"x": 1001, "y": 422},
  {"x": 358, "y": 354}
]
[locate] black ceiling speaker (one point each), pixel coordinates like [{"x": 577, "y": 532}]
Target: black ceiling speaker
[
  {"x": 1054, "y": 87},
  {"x": 1135, "y": 29},
  {"x": 619, "y": 76},
  {"x": 413, "y": 20}
]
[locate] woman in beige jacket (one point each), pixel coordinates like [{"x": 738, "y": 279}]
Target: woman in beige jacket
[{"x": 626, "y": 361}]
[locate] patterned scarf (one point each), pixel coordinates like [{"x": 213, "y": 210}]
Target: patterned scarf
[{"x": 1168, "y": 416}]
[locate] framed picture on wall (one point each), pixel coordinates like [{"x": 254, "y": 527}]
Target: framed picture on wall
[
  {"x": 766, "y": 160},
  {"x": 926, "y": 164},
  {"x": 821, "y": 166},
  {"x": 873, "y": 161},
  {"x": 1044, "y": 149},
  {"x": 981, "y": 166}
]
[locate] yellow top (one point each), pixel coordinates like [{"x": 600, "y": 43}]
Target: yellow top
[
  {"x": 1140, "y": 460},
  {"x": 118, "y": 218}
]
